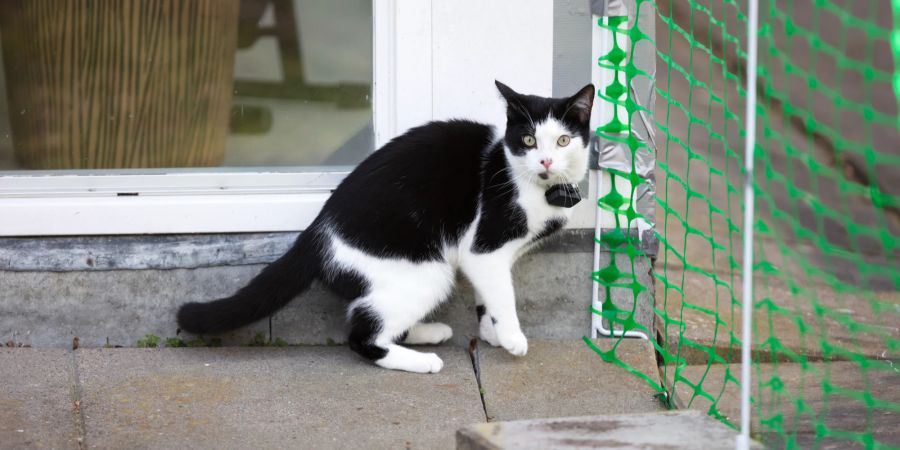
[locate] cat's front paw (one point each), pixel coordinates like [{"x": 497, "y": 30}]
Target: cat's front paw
[
  {"x": 432, "y": 363},
  {"x": 513, "y": 341}
]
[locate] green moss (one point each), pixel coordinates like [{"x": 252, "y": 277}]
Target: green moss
[
  {"x": 174, "y": 342},
  {"x": 259, "y": 340},
  {"x": 196, "y": 342},
  {"x": 200, "y": 341},
  {"x": 149, "y": 341}
]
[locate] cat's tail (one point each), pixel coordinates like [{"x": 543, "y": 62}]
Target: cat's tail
[{"x": 268, "y": 292}]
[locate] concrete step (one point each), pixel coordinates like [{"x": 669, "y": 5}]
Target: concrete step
[
  {"x": 668, "y": 430},
  {"x": 119, "y": 307}
]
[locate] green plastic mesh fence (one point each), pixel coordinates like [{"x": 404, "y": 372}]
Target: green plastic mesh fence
[{"x": 826, "y": 268}]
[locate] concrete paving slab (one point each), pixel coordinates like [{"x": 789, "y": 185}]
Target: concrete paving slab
[
  {"x": 36, "y": 400},
  {"x": 296, "y": 397},
  {"x": 837, "y": 410},
  {"x": 669, "y": 430},
  {"x": 566, "y": 378}
]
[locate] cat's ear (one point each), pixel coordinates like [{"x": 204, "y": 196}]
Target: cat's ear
[
  {"x": 580, "y": 104},
  {"x": 506, "y": 92}
]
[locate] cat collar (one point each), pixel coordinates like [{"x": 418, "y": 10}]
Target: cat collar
[{"x": 563, "y": 195}]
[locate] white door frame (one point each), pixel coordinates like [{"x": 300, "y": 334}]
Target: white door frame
[{"x": 47, "y": 203}]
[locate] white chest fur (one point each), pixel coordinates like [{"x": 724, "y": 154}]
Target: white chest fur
[{"x": 532, "y": 199}]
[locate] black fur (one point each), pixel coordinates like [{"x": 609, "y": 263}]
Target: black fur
[
  {"x": 481, "y": 310},
  {"x": 414, "y": 194},
  {"x": 502, "y": 219},
  {"x": 273, "y": 288},
  {"x": 347, "y": 284},
  {"x": 550, "y": 227},
  {"x": 364, "y": 327}
]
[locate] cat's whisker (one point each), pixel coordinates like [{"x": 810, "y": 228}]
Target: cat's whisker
[
  {"x": 513, "y": 181},
  {"x": 505, "y": 170}
]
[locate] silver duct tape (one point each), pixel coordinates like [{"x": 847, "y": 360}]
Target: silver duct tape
[
  {"x": 604, "y": 8},
  {"x": 640, "y": 123},
  {"x": 645, "y": 202},
  {"x": 643, "y": 91},
  {"x": 617, "y": 156},
  {"x": 609, "y": 154}
]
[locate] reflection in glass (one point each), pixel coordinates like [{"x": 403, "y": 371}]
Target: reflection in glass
[{"x": 184, "y": 83}]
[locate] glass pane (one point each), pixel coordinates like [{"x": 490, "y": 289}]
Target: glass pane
[{"x": 184, "y": 83}]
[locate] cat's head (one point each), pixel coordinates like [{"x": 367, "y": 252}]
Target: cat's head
[{"x": 547, "y": 138}]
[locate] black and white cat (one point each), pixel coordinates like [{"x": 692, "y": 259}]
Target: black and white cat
[{"x": 443, "y": 197}]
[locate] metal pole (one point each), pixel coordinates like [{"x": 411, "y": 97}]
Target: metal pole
[{"x": 743, "y": 441}]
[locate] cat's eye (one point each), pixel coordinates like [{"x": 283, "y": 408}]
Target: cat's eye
[
  {"x": 563, "y": 141},
  {"x": 529, "y": 140}
]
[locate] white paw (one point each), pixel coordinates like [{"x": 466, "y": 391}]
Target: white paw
[
  {"x": 401, "y": 358},
  {"x": 428, "y": 333},
  {"x": 513, "y": 341},
  {"x": 427, "y": 363},
  {"x": 433, "y": 364},
  {"x": 441, "y": 331},
  {"x": 487, "y": 332}
]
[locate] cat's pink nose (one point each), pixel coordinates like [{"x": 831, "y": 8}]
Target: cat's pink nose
[{"x": 546, "y": 163}]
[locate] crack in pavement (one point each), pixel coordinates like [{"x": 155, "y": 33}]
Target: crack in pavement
[
  {"x": 76, "y": 401},
  {"x": 475, "y": 357}
]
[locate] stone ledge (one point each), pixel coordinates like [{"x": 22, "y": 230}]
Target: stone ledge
[
  {"x": 668, "y": 430},
  {"x": 182, "y": 251}
]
